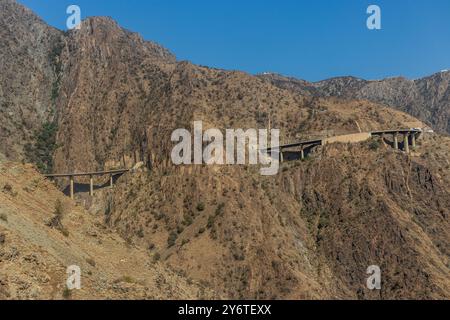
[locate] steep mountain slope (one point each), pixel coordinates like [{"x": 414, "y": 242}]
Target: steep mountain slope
[
  {"x": 310, "y": 232},
  {"x": 259, "y": 237},
  {"x": 29, "y": 51},
  {"x": 113, "y": 84},
  {"x": 427, "y": 99},
  {"x": 34, "y": 256},
  {"x": 120, "y": 98}
]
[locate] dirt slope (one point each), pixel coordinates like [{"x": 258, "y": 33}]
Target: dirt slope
[{"x": 34, "y": 256}]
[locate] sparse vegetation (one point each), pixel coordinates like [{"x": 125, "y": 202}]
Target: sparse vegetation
[
  {"x": 108, "y": 209},
  {"x": 374, "y": 144},
  {"x": 67, "y": 293},
  {"x": 160, "y": 216},
  {"x": 211, "y": 220},
  {"x": 56, "y": 221},
  {"x": 41, "y": 151},
  {"x": 156, "y": 257},
  {"x": 126, "y": 279},
  {"x": 323, "y": 222},
  {"x": 91, "y": 262},
  {"x": 239, "y": 257},
  {"x": 219, "y": 212},
  {"x": 173, "y": 236},
  {"x": 200, "y": 207},
  {"x": 8, "y": 189},
  {"x": 220, "y": 209},
  {"x": 188, "y": 220},
  {"x": 4, "y": 217},
  {"x": 65, "y": 232}
]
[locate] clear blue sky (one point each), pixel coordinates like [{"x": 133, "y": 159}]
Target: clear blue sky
[{"x": 308, "y": 39}]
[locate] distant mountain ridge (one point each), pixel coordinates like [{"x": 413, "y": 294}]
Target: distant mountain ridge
[{"x": 427, "y": 99}]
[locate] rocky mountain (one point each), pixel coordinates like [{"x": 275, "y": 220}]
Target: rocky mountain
[
  {"x": 42, "y": 233},
  {"x": 309, "y": 232},
  {"x": 29, "y": 54},
  {"x": 427, "y": 99}
]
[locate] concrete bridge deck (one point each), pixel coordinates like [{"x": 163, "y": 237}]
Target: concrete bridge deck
[
  {"x": 410, "y": 136},
  {"x": 296, "y": 144},
  {"x": 84, "y": 174},
  {"x": 71, "y": 176},
  {"x": 399, "y": 131}
]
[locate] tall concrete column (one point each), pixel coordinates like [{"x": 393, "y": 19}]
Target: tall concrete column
[
  {"x": 413, "y": 140},
  {"x": 111, "y": 181},
  {"x": 302, "y": 153},
  {"x": 396, "y": 141},
  {"x": 281, "y": 156},
  {"x": 91, "y": 186},
  {"x": 406, "y": 142},
  {"x": 71, "y": 188}
]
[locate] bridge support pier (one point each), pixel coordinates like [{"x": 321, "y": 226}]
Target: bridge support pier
[
  {"x": 396, "y": 141},
  {"x": 281, "y": 156},
  {"x": 91, "y": 185},
  {"x": 302, "y": 153},
  {"x": 406, "y": 142},
  {"x": 71, "y": 188},
  {"x": 383, "y": 139},
  {"x": 91, "y": 175},
  {"x": 413, "y": 141}
]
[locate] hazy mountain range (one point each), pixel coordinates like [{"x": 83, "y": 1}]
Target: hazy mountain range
[{"x": 427, "y": 99}]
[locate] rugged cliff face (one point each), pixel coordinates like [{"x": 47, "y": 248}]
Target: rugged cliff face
[
  {"x": 113, "y": 84},
  {"x": 29, "y": 59},
  {"x": 111, "y": 94},
  {"x": 427, "y": 99},
  {"x": 310, "y": 232},
  {"x": 122, "y": 96}
]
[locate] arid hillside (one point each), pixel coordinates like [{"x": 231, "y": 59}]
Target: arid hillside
[
  {"x": 309, "y": 232},
  {"x": 42, "y": 233}
]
